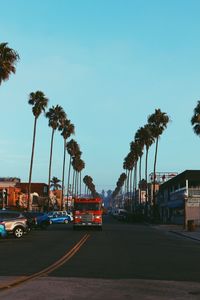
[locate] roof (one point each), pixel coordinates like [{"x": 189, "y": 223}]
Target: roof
[{"x": 187, "y": 174}]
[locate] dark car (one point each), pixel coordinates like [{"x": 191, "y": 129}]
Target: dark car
[
  {"x": 37, "y": 219},
  {"x": 122, "y": 216}
]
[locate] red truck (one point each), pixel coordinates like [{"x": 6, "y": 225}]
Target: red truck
[{"x": 87, "y": 212}]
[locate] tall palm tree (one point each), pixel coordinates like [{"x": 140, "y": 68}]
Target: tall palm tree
[
  {"x": 129, "y": 163},
  {"x": 148, "y": 140},
  {"x": 8, "y": 59},
  {"x": 56, "y": 115},
  {"x": 119, "y": 185},
  {"x": 55, "y": 183},
  {"x": 81, "y": 166},
  {"x": 137, "y": 150},
  {"x": 78, "y": 164},
  {"x": 39, "y": 103},
  {"x": 195, "y": 120},
  {"x": 73, "y": 150},
  {"x": 158, "y": 122},
  {"x": 66, "y": 130},
  {"x": 140, "y": 141}
]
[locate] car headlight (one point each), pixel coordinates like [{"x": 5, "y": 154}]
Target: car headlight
[
  {"x": 98, "y": 217},
  {"x": 78, "y": 217}
]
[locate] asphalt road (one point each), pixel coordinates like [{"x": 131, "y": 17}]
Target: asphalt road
[{"x": 124, "y": 261}]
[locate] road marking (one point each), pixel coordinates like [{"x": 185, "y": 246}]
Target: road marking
[{"x": 51, "y": 268}]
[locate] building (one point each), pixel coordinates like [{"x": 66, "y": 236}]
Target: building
[
  {"x": 40, "y": 188},
  {"x": 14, "y": 193},
  {"x": 179, "y": 198}
]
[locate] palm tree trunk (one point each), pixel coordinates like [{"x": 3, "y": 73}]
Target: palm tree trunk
[
  {"x": 80, "y": 184},
  {"x": 76, "y": 184},
  {"x": 125, "y": 185},
  {"x": 131, "y": 189},
  {"x": 73, "y": 183},
  {"x": 135, "y": 181},
  {"x": 146, "y": 163},
  {"x": 154, "y": 174},
  {"x": 63, "y": 174},
  {"x": 68, "y": 180},
  {"x": 31, "y": 164},
  {"x": 50, "y": 161},
  {"x": 140, "y": 178},
  {"x": 128, "y": 190},
  {"x": 85, "y": 189}
]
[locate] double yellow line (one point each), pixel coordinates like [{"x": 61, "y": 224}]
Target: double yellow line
[{"x": 49, "y": 269}]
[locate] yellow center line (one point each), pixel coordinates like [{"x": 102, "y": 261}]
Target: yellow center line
[{"x": 49, "y": 269}]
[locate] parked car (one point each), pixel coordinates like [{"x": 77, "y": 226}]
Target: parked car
[
  {"x": 14, "y": 221},
  {"x": 59, "y": 217},
  {"x": 122, "y": 216},
  {"x": 37, "y": 219},
  {"x": 3, "y": 231}
]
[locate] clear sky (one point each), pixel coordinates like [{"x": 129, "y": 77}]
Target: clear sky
[{"x": 109, "y": 64}]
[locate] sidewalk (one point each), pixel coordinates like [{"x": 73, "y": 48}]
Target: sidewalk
[{"x": 178, "y": 229}]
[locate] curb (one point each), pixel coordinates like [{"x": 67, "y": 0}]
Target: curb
[{"x": 185, "y": 235}]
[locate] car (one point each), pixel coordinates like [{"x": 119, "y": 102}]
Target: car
[
  {"x": 37, "y": 219},
  {"x": 58, "y": 217},
  {"x": 3, "y": 231},
  {"x": 122, "y": 216},
  {"x": 15, "y": 222}
]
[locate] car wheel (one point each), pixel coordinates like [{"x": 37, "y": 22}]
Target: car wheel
[
  {"x": 66, "y": 221},
  {"x": 18, "y": 232}
]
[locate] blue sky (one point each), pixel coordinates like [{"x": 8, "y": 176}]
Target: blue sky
[{"x": 109, "y": 64}]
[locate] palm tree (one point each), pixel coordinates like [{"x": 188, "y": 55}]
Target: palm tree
[
  {"x": 39, "y": 103},
  {"x": 137, "y": 150},
  {"x": 73, "y": 150},
  {"x": 78, "y": 164},
  {"x": 81, "y": 166},
  {"x": 55, "y": 183},
  {"x": 88, "y": 182},
  {"x": 128, "y": 164},
  {"x": 158, "y": 122},
  {"x": 67, "y": 129},
  {"x": 148, "y": 140},
  {"x": 56, "y": 115},
  {"x": 195, "y": 120},
  {"x": 8, "y": 59},
  {"x": 140, "y": 141},
  {"x": 119, "y": 185}
]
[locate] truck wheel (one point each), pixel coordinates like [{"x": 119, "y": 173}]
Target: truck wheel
[{"x": 18, "y": 232}]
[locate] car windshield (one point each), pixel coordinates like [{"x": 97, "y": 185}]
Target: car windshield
[{"x": 87, "y": 206}]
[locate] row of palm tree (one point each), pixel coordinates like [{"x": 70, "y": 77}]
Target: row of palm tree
[
  {"x": 119, "y": 185},
  {"x": 57, "y": 120},
  {"x": 143, "y": 139},
  {"x": 90, "y": 186}
]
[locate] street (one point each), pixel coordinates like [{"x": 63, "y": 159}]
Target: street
[{"x": 132, "y": 260}]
